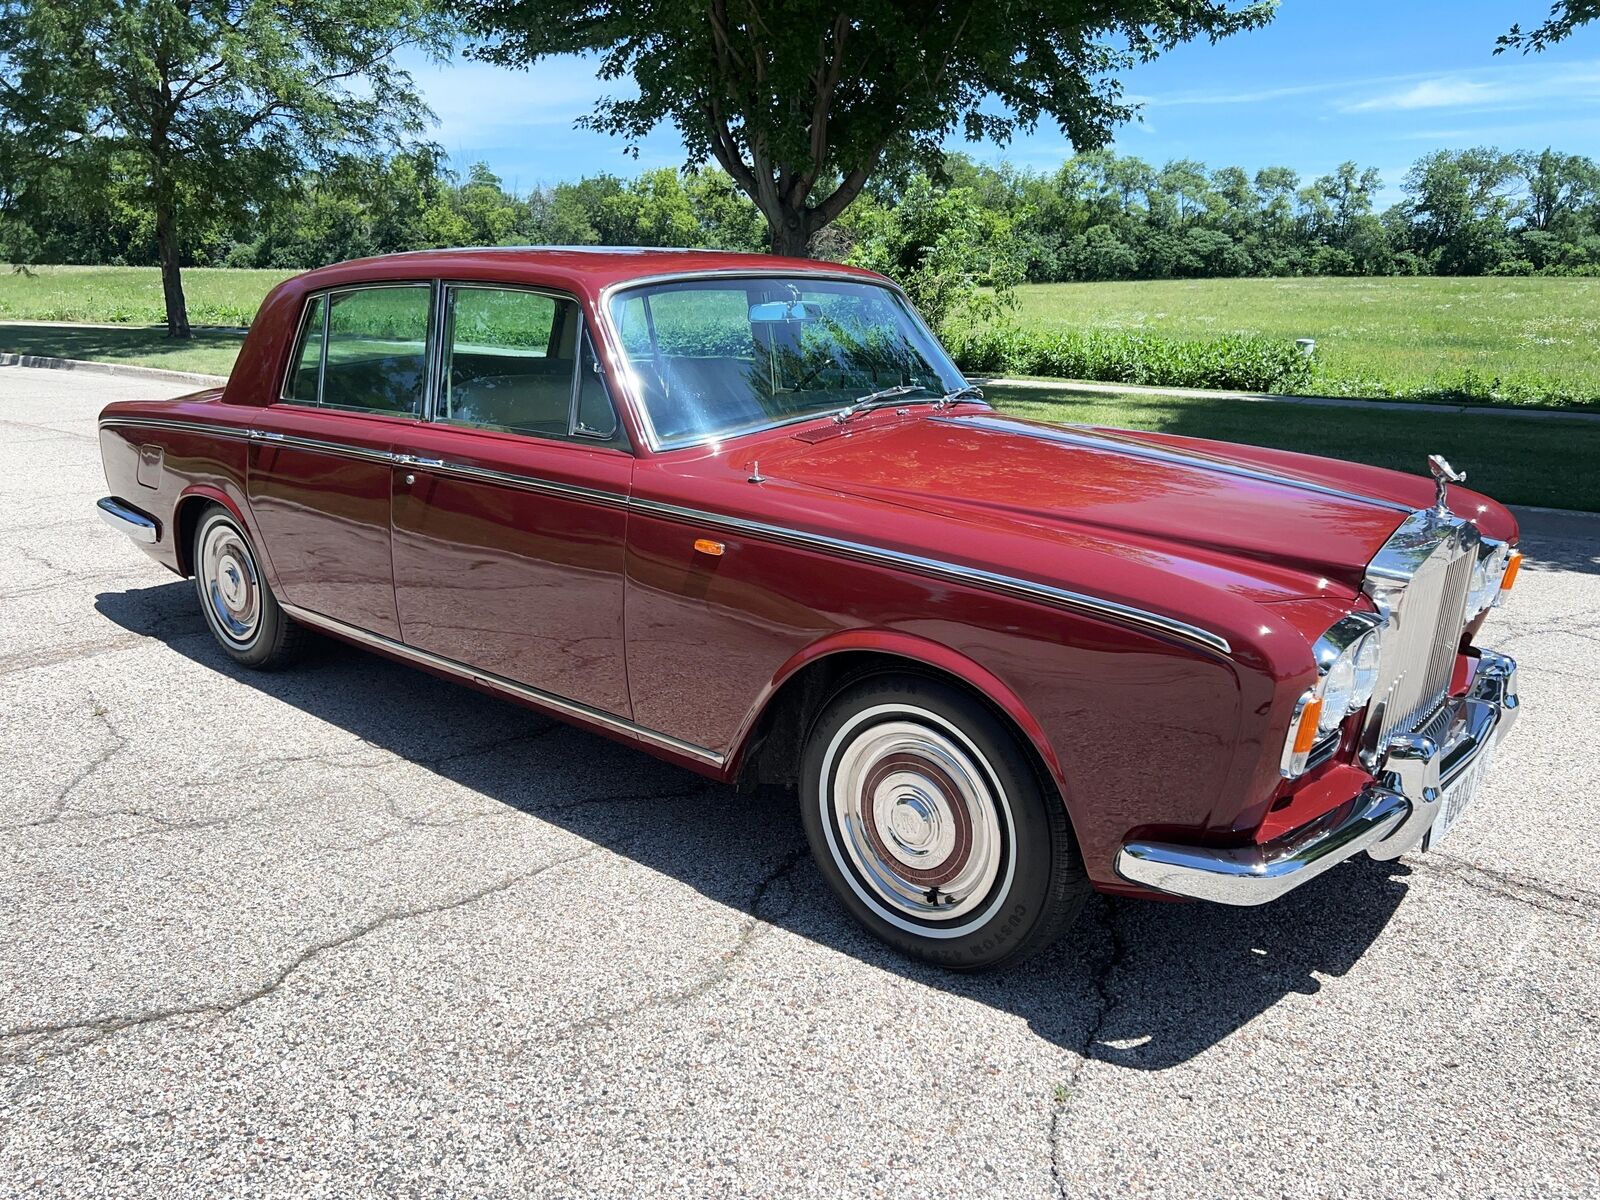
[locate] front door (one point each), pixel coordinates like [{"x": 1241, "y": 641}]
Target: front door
[
  {"x": 319, "y": 478},
  {"x": 510, "y": 505}
]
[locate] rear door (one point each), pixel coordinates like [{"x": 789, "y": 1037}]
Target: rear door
[
  {"x": 510, "y": 503},
  {"x": 320, "y": 470}
]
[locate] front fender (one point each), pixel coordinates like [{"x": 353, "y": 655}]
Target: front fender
[{"x": 915, "y": 651}]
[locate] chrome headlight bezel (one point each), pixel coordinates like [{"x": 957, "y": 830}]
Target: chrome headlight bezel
[
  {"x": 1347, "y": 658},
  {"x": 1488, "y": 572}
]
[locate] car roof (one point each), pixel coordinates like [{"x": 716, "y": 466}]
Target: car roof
[{"x": 571, "y": 268}]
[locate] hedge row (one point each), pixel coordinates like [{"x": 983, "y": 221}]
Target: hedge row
[{"x": 1238, "y": 362}]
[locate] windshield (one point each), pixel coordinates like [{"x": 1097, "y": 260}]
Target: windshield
[{"x": 711, "y": 358}]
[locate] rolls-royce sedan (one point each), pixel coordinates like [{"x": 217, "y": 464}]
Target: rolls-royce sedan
[{"x": 745, "y": 513}]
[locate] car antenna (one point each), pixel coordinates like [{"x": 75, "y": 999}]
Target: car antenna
[{"x": 755, "y": 473}]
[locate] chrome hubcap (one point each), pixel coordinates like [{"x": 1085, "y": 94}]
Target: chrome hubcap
[
  {"x": 228, "y": 574},
  {"x": 918, "y": 816}
]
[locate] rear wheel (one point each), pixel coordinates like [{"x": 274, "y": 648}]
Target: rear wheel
[
  {"x": 928, "y": 820},
  {"x": 243, "y": 614}
]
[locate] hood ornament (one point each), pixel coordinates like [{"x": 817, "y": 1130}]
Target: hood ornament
[{"x": 1443, "y": 476}]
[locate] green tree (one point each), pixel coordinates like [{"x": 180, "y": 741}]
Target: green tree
[
  {"x": 1565, "y": 16},
  {"x": 803, "y": 106},
  {"x": 213, "y": 104},
  {"x": 1461, "y": 204},
  {"x": 1560, "y": 187},
  {"x": 941, "y": 245}
]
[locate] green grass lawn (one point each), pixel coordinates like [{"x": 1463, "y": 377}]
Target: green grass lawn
[
  {"x": 1518, "y": 461},
  {"x": 209, "y": 352},
  {"x": 1375, "y": 337},
  {"x": 1422, "y": 338},
  {"x": 131, "y": 294}
]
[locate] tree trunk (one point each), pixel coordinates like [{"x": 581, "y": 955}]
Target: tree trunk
[
  {"x": 790, "y": 232},
  {"x": 171, "y": 275}
]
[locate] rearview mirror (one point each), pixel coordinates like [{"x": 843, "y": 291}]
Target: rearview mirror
[{"x": 774, "y": 312}]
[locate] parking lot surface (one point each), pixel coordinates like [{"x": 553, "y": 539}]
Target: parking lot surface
[{"x": 351, "y": 928}]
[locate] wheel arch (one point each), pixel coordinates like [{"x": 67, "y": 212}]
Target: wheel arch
[
  {"x": 769, "y": 742},
  {"x": 186, "y": 519}
]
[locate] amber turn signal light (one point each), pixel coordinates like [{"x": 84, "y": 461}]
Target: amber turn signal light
[
  {"x": 1305, "y": 734},
  {"x": 1510, "y": 577},
  {"x": 707, "y": 546}
]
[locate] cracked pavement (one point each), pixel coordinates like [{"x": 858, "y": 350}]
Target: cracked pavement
[{"x": 351, "y": 928}]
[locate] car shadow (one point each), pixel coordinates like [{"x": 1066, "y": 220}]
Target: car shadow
[{"x": 1145, "y": 985}]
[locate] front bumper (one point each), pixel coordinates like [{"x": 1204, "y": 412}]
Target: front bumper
[{"x": 1390, "y": 816}]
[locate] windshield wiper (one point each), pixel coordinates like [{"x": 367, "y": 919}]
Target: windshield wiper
[
  {"x": 968, "y": 391},
  {"x": 861, "y": 404},
  {"x": 872, "y": 399}
]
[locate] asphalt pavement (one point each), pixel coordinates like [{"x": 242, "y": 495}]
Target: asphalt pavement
[{"x": 352, "y": 929}]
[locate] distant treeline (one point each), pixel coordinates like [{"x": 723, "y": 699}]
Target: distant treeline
[{"x": 1098, "y": 217}]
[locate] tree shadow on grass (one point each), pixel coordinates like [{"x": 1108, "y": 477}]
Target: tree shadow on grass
[
  {"x": 1141, "y": 985},
  {"x": 1514, "y": 459},
  {"x": 208, "y": 352}
]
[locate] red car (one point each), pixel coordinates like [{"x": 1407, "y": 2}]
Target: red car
[{"x": 745, "y": 513}]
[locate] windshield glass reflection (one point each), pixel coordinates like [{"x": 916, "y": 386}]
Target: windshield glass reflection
[{"x": 713, "y": 358}]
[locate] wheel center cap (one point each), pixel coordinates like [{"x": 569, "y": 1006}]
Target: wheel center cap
[
  {"x": 914, "y": 824},
  {"x": 230, "y": 581}
]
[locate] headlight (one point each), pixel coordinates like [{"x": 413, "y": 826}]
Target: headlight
[
  {"x": 1338, "y": 693},
  {"x": 1347, "y": 662},
  {"x": 1487, "y": 574}
]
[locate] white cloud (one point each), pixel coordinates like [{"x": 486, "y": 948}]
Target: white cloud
[
  {"x": 1432, "y": 93},
  {"x": 1517, "y": 86}
]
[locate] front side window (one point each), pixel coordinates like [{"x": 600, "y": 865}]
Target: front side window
[
  {"x": 519, "y": 362},
  {"x": 363, "y": 350},
  {"x": 714, "y": 358}
]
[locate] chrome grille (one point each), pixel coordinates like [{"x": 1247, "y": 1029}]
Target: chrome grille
[{"x": 1419, "y": 651}]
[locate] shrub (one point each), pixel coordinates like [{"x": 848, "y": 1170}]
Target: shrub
[{"x": 1237, "y": 361}]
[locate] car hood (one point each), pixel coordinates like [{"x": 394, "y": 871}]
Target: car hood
[{"x": 1281, "y": 525}]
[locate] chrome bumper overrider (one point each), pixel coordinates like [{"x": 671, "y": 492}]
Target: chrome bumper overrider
[
  {"x": 128, "y": 520},
  {"x": 1391, "y": 816}
]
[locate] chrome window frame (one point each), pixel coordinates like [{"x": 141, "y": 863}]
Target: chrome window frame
[
  {"x": 625, "y": 380},
  {"x": 327, "y": 294},
  {"x": 445, "y": 287}
]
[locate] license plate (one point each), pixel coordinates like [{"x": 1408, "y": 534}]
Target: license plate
[{"x": 1458, "y": 795}]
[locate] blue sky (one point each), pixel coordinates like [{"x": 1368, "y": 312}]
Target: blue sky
[{"x": 1328, "y": 80}]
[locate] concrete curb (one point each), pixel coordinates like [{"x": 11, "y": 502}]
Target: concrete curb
[
  {"x": 1135, "y": 389},
  {"x": 100, "y": 368}
]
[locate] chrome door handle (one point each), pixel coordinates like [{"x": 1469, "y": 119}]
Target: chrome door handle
[{"x": 413, "y": 460}]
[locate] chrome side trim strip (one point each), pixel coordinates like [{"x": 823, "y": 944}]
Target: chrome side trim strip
[
  {"x": 231, "y": 432},
  {"x": 526, "y": 483},
  {"x": 1113, "y": 444},
  {"x": 319, "y": 446},
  {"x": 935, "y": 568},
  {"x": 128, "y": 520},
  {"x": 954, "y": 572},
  {"x": 547, "y": 700}
]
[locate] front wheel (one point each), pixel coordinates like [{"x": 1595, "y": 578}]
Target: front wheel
[
  {"x": 239, "y": 607},
  {"x": 932, "y": 827}
]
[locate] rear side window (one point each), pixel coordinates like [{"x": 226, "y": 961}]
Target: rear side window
[
  {"x": 308, "y": 362},
  {"x": 377, "y": 355},
  {"x": 512, "y": 361},
  {"x": 364, "y": 350}
]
